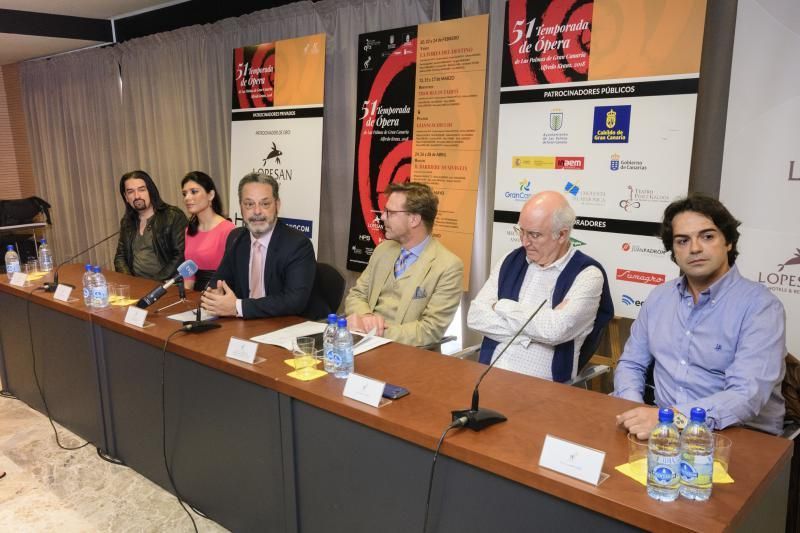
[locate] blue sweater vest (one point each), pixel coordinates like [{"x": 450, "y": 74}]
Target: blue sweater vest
[{"x": 512, "y": 274}]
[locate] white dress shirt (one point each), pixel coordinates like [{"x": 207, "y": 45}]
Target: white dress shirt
[{"x": 532, "y": 352}]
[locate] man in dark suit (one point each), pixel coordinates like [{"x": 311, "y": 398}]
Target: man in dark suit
[{"x": 268, "y": 268}]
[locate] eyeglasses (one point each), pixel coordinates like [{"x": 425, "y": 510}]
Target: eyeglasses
[
  {"x": 249, "y": 205},
  {"x": 525, "y": 234},
  {"x": 389, "y": 212}
]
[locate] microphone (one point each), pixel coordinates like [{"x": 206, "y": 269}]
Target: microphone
[
  {"x": 477, "y": 418},
  {"x": 51, "y": 287},
  {"x": 188, "y": 268}
]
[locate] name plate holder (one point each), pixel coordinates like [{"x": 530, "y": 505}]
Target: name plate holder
[
  {"x": 244, "y": 351},
  {"x": 573, "y": 460},
  {"x": 136, "y": 317},
  {"x": 365, "y": 390},
  {"x": 63, "y": 292}
]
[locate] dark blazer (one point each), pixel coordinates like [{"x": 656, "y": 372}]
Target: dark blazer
[{"x": 288, "y": 274}]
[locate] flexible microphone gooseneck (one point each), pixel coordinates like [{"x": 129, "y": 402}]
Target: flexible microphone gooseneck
[
  {"x": 187, "y": 269},
  {"x": 477, "y": 418},
  {"x": 51, "y": 287}
]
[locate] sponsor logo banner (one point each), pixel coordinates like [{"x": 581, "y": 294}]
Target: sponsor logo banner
[
  {"x": 521, "y": 193},
  {"x": 306, "y": 227},
  {"x": 276, "y": 124},
  {"x": 647, "y": 250},
  {"x": 629, "y": 300},
  {"x": 612, "y": 124},
  {"x": 547, "y": 162},
  {"x": 588, "y": 92},
  {"x": 635, "y": 276},
  {"x": 606, "y": 225},
  {"x": 616, "y": 163}
]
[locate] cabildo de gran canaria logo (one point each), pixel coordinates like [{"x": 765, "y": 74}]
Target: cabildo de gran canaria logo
[{"x": 611, "y": 124}]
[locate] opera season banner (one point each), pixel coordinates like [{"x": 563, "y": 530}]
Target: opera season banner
[
  {"x": 421, "y": 94},
  {"x": 760, "y": 182},
  {"x": 598, "y": 101},
  {"x": 276, "y": 128}
]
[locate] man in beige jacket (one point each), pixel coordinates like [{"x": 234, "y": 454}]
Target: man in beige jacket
[{"x": 412, "y": 285}]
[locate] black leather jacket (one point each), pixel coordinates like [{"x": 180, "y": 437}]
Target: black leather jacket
[{"x": 169, "y": 229}]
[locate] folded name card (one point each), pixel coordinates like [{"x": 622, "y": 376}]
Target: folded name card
[
  {"x": 364, "y": 389},
  {"x": 62, "y": 292},
  {"x": 135, "y": 316},
  {"x": 242, "y": 350},
  {"x": 572, "y": 459}
]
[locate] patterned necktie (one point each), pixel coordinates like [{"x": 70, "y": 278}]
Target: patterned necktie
[
  {"x": 400, "y": 265},
  {"x": 256, "y": 271}
]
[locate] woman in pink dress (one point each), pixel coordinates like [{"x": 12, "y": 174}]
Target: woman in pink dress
[{"x": 208, "y": 228}]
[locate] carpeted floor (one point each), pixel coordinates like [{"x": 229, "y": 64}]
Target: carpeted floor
[{"x": 50, "y": 489}]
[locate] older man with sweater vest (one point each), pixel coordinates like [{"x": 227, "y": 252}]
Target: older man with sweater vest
[
  {"x": 545, "y": 268},
  {"x": 412, "y": 285}
]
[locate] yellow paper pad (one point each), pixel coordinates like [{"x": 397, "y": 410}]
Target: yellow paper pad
[
  {"x": 289, "y": 362},
  {"x": 128, "y": 301},
  {"x": 307, "y": 374},
  {"x": 36, "y": 275},
  {"x": 637, "y": 471}
]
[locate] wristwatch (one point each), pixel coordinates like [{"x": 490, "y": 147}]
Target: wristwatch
[{"x": 679, "y": 419}]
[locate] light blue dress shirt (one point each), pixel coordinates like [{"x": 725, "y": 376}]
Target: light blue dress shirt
[
  {"x": 725, "y": 353},
  {"x": 415, "y": 252}
]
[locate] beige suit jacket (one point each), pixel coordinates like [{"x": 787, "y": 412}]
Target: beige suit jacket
[{"x": 430, "y": 300}]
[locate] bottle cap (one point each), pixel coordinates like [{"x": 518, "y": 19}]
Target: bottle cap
[
  {"x": 43, "y": 241},
  {"x": 10, "y": 247},
  {"x": 96, "y": 269},
  {"x": 342, "y": 323},
  {"x": 665, "y": 416},
  {"x": 697, "y": 414},
  {"x": 332, "y": 318},
  {"x": 88, "y": 267}
]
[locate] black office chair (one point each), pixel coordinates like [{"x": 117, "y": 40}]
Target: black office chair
[{"x": 329, "y": 286}]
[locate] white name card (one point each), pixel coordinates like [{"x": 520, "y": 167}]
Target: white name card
[
  {"x": 135, "y": 316},
  {"x": 62, "y": 292},
  {"x": 242, "y": 350},
  {"x": 18, "y": 279},
  {"x": 364, "y": 389},
  {"x": 572, "y": 459}
]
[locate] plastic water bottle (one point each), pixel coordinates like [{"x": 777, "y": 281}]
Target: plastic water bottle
[
  {"x": 343, "y": 347},
  {"x": 87, "y": 286},
  {"x": 99, "y": 289},
  {"x": 663, "y": 459},
  {"x": 45, "y": 257},
  {"x": 328, "y": 341},
  {"x": 12, "y": 261},
  {"x": 697, "y": 457}
]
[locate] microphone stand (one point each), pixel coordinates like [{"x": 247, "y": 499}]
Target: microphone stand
[
  {"x": 51, "y": 287},
  {"x": 181, "y": 295},
  {"x": 479, "y": 418},
  {"x": 198, "y": 325}
]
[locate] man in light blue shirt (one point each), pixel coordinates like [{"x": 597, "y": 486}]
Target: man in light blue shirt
[{"x": 717, "y": 339}]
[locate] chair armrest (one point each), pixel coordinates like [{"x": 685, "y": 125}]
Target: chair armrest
[
  {"x": 438, "y": 344},
  {"x": 467, "y": 352},
  {"x": 588, "y": 373}
]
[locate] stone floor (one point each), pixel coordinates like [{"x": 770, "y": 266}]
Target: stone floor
[{"x": 50, "y": 489}]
